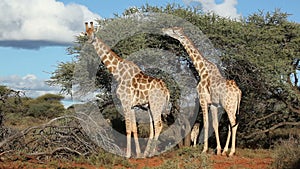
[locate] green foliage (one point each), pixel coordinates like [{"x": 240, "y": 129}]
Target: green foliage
[
  {"x": 45, "y": 106},
  {"x": 11, "y": 101},
  {"x": 45, "y": 110},
  {"x": 63, "y": 76},
  {"x": 50, "y": 98},
  {"x": 15, "y": 107}
]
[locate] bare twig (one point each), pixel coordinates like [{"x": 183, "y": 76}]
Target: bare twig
[{"x": 55, "y": 151}]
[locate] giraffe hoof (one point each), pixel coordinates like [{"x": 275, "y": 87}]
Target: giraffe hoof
[
  {"x": 140, "y": 155},
  {"x": 219, "y": 152},
  {"x": 224, "y": 153},
  {"x": 231, "y": 154}
]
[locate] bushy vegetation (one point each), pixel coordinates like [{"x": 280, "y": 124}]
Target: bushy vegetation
[
  {"x": 16, "y": 107},
  {"x": 287, "y": 153}
]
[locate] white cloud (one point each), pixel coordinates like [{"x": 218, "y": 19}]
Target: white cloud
[
  {"x": 41, "y": 21},
  {"x": 30, "y": 84},
  {"x": 33, "y": 87},
  {"x": 225, "y": 9}
]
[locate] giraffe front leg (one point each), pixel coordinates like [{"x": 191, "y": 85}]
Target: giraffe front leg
[
  {"x": 214, "y": 111},
  {"x": 135, "y": 135},
  {"x": 204, "y": 99},
  {"x": 205, "y": 126},
  {"x": 194, "y": 142},
  {"x": 128, "y": 136}
]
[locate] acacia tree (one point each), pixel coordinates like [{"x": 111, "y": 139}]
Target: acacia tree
[{"x": 261, "y": 53}]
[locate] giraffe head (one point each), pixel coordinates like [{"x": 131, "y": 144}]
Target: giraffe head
[
  {"x": 90, "y": 31},
  {"x": 174, "y": 32}
]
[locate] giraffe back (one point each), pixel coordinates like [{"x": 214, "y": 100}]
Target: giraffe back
[{"x": 145, "y": 86}]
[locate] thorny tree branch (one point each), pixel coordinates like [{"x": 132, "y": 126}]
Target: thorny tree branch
[
  {"x": 271, "y": 129},
  {"x": 262, "y": 118}
]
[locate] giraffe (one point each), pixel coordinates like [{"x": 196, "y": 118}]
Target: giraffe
[
  {"x": 135, "y": 89},
  {"x": 213, "y": 90},
  {"x": 195, "y": 133}
]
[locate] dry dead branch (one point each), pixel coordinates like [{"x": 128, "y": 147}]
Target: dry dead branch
[{"x": 61, "y": 137}]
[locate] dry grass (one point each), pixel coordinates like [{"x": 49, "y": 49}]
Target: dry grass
[{"x": 256, "y": 153}]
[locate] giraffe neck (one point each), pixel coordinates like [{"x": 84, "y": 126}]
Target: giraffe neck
[
  {"x": 109, "y": 58},
  {"x": 199, "y": 61},
  {"x": 205, "y": 68},
  {"x": 118, "y": 67}
]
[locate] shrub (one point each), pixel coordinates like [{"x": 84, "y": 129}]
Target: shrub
[
  {"x": 287, "y": 154},
  {"x": 45, "y": 110}
]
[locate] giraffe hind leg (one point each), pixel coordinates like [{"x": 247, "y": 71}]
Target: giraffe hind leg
[
  {"x": 157, "y": 102},
  {"x": 158, "y": 125},
  {"x": 233, "y": 117},
  {"x": 147, "y": 149},
  {"x": 227, "y": 141}
]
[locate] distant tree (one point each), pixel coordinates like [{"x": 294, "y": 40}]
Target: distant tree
[
  {"x": 50, "y": 98},
  {"x": 45, "y": 106}
]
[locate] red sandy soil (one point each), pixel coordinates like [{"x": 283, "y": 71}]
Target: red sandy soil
[
  {"x": 218, "y": 162},
  {"x": 222, "y": 162}
]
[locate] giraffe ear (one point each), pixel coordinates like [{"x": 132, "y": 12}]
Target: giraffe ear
[{"x": 92, "y": 26}]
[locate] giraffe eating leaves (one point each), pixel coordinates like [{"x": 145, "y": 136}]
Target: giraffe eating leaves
[
  {"x": 213, "y": 90},
  {"x": 134, "y": 89}
]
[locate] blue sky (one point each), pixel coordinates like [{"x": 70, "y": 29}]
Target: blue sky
[{"x": 34, "y": 35}]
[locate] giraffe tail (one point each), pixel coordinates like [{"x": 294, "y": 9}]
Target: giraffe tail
[
  {"x": 239, "y": 96},
  {"x": 167, "y": 108}
]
